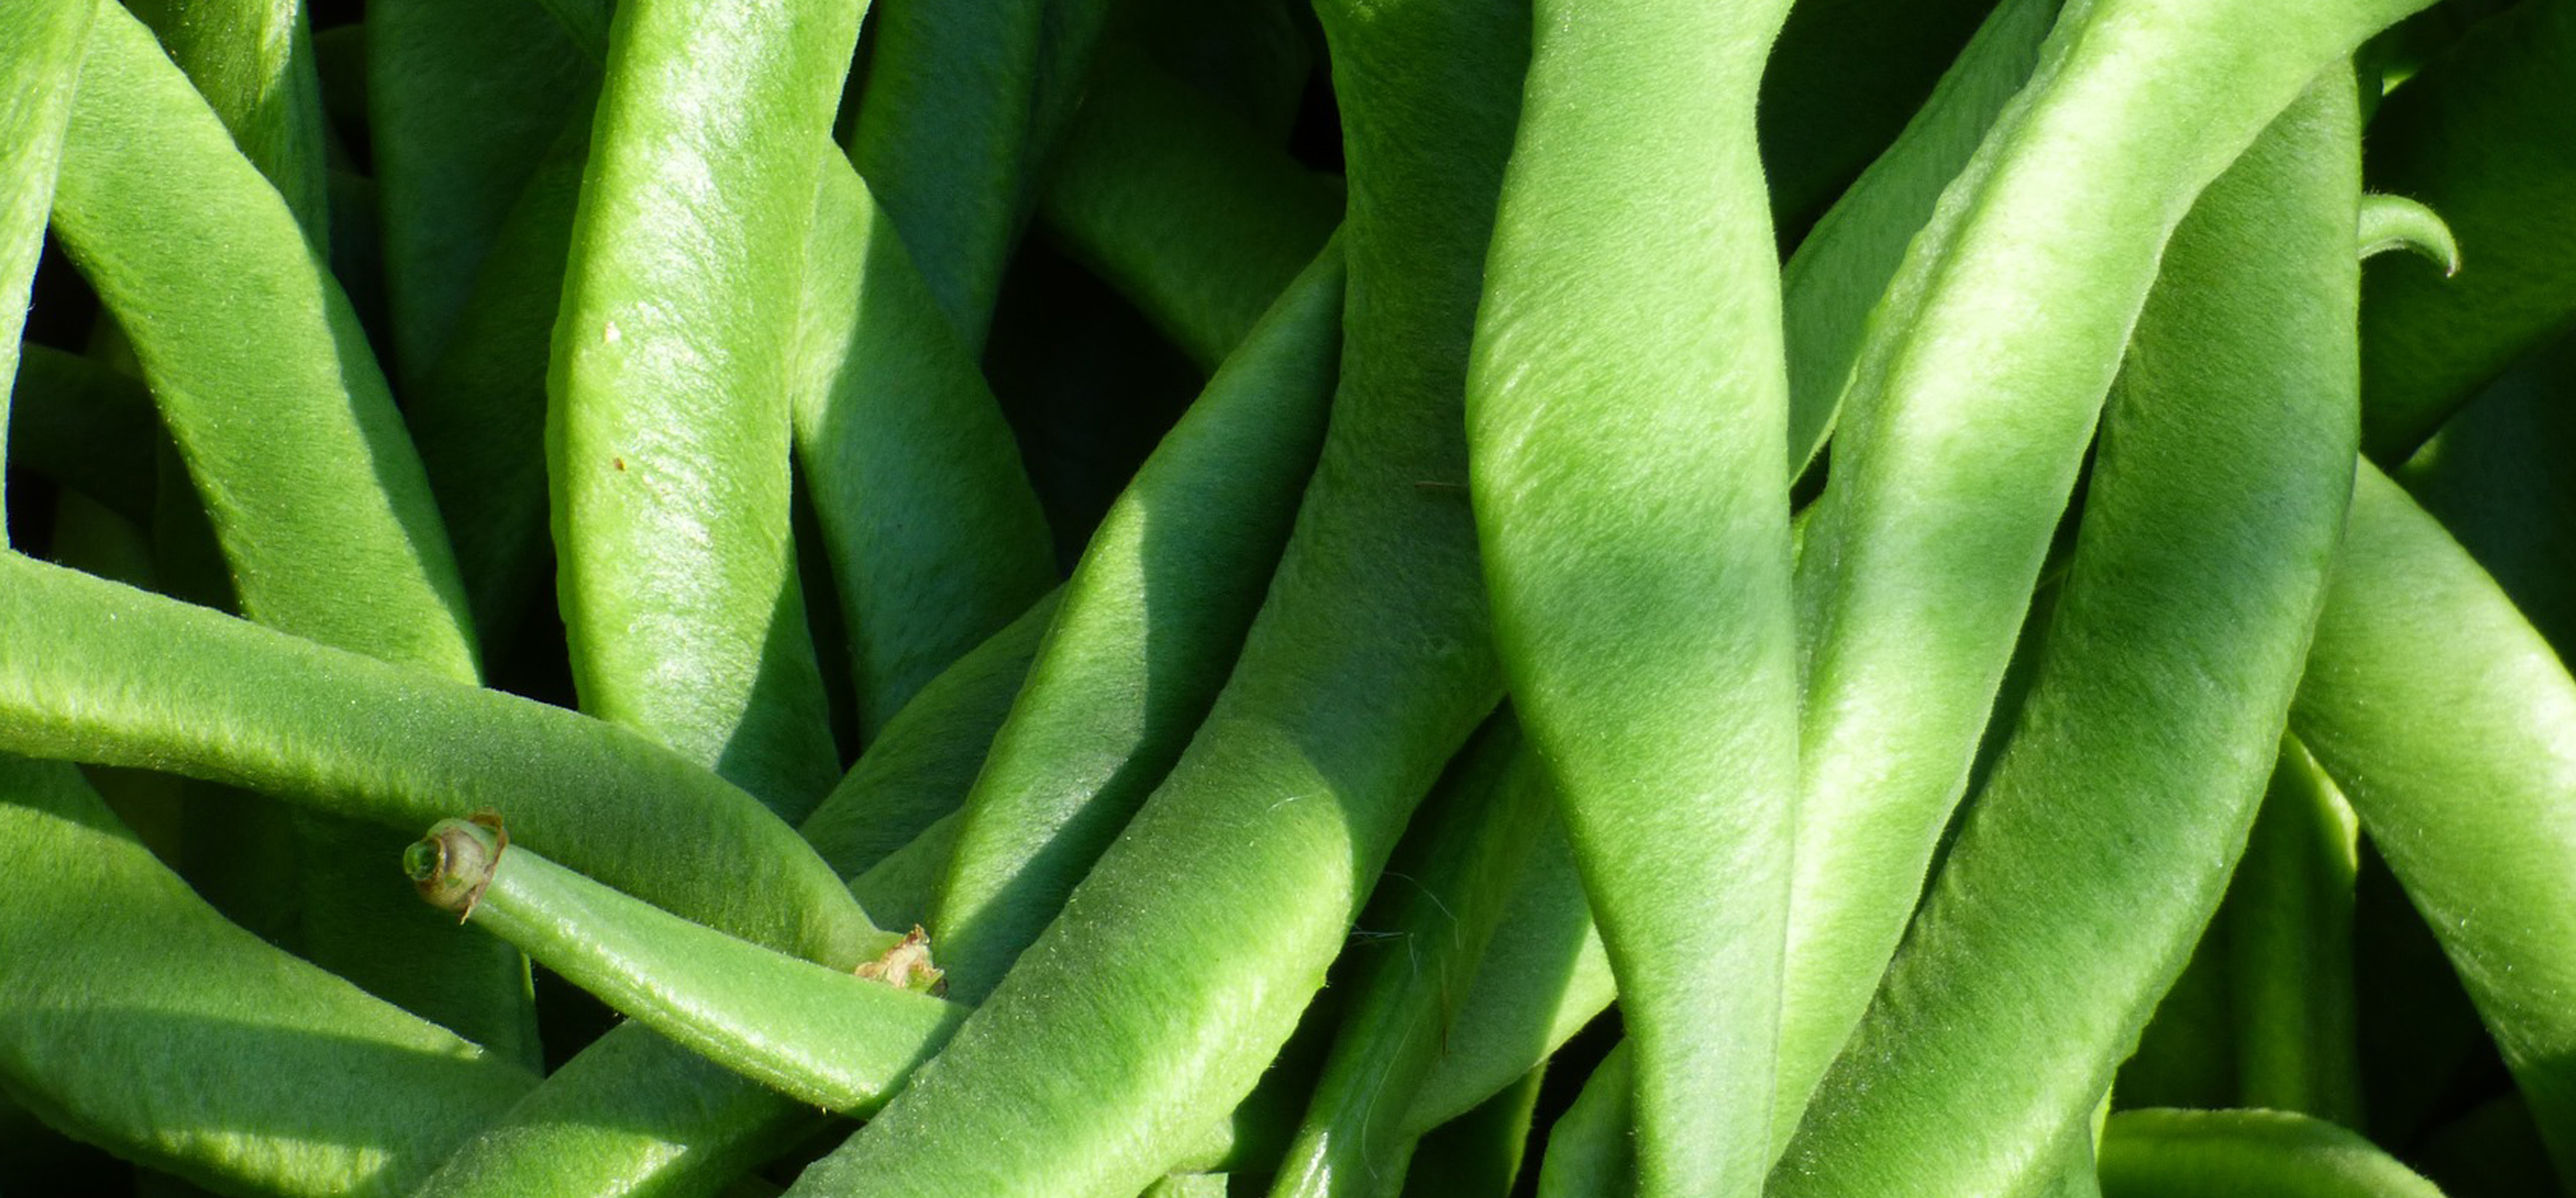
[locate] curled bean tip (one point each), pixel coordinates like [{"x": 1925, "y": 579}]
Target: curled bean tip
[
  {"x": 906, "y": 965},
  {"x": 454, "y": 862}
]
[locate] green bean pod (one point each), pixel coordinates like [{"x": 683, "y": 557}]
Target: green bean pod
[
  {"x": 2496, "y": 478},
  {"x": 958, "y": 112},
  {"x": 1150, "y": 627},
  {"x": 814, "y": 1032},
  {"x": 1976, "y": 390},
  {"x": 2451, "y": 726},
  {"x": 1181, "y": 963},
  {"x": 83, "y": 427},
  {"x": 1182, "y": 207},
  {"x": 97, "y": 672},
  {"x": 1437, "y": 909},
  {"x": 1626, "y": 406},
  {"x": 635, "y": 1113},
  {"x": 2210, "y": 1154},
  {"x": 922, "y": 767},
  {"x": 2289, "y": 949},
  {"x": 464, "y": 97},
  {"x": 252, "y": 60},
  {"x": 1843, "y": 264},
  {"x": 1480, "y": 1152},
  {"x": 41, "y": 47},
  {"x": 934, "y": 536},
  {"x": 320, "y": 503},
  {"x": 1844, "y": 80},
  {"x": 2478, "y": 136},
  {"x": 1589, "y": 1152},
  {"x": 134, "y": 1017},
  {"x": 2100, "y": 847},
  {"x": 667, "y": 427}
]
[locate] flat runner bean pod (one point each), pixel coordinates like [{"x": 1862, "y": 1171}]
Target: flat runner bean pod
[
  {"x": 819, "y": 1034},
  {"x": 2451, "y": 726},
  {"x": 960, "y": 107},
  {"x": 1480, "y": 1152},
  {"x": 97, "y": 672},
  {"x": 1626, "y": 406},
  {"x": 1843, "y": 264},
  {"x": 2212, "y": 1154},
  {"x": 1436, "y": 908},
  {"x": 320, "y": 503},
  {"x": 1150, "y": 627},
  {"x": 2481, "y": 136},
  {"x": 2102, "y": 841},
  {"x": 134, "y": 1017},
  {"x": 1589, "y": 1152},
  {"x": 40, "y": 57},
  {"x": 1181, "y": 963},
  {"x": 2288, "y": 943},
  {"x": 1843, "y": 80},
  {"x": 464, "y": 97},
  {"x": 252, "y": 60},
  {"x": 667, "y": 425},
  {"x": 935, "y": 537},
  {"x": 1182, "y": 207},
  {"x": 1971, "y": 403}
]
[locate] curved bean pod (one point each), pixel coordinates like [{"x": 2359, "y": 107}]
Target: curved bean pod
[
  {"x": 1439, "y": 910},
  {"x": 2397, "y": 223},
  {"x": 1150, "y": 627},
  {"x": 1182, "y": 207},
  {"x": 41, "y": 47},
  {"x": 463, "y": 100},
  {"x": 1589, "y": 1153},
  {"x": 667, "y": 430},
  {"x": 1480, "y": 1152},
  {"x": 2100, "y": 847},
  {"x": 2451, "y": 726},
  {"x": 2289, "y": 949},
  {"x": 84, "y": 427},
  {"x": 97, "y": 672},
  {"x": 934, "y": 535},
  {"x": 1625, "y": 412},
  {"x": 2496, "y": 478},
  {"x": 253, "y": 62},
  {"x": 2209, "y": 1154},
  {"x": 1843, "y": 265},
  {"x": 817, "y": 1033},
  {"x": 320, "y": 503},
  {"x": 2479, "y": 136},
  {"x": 1364, "y": 671},
  {"x": 1974, "y": 395},
  {"x": 135, "y": 1017},
  {"x": 1844, "y": 79}
]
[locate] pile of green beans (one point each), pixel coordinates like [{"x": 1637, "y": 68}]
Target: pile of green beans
[{"x": 1323, "y": 598}]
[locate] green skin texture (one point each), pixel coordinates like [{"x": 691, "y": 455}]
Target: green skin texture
[
  {"x": 2451, "y": 726},
  {"x": 1438, "y": 906},
  {"x": 1625, "y": 411},
  {"x": 310, "y": 498},
  {"x": 2397, "y": 223},
  {"x": 40, "y": 58},
  {"x": 139, "y": 1019},
  {"x": 921, "y": 769},
  {"x": 2495, "y": 477},
  {"x": 960, "y": 108},
  {"x": 2289, "y": 949},
  {"x": 1151, "y": 624},
  {"x": 1231, "y": 891},
  {"x": 2211, "y": 1154},
  {"x": 1589, "y": 1151},
  {"x": 667, "y": 424},
  {"x": 252, "y": 60},
  {"x": 2482, "y": 136},
  {"x": 2101, "y": 844},
  {"x": 97, "y": 672},
  {"x": 1844, "y": 263},
  {"x": 1480, "y": 1152},
  {"x": 934, "y": 534},
  {"x": 464, "y": 99},
  {"x": 816, "y": 1033},
  {"x": 321, "y": 504},
  {"x": 1204, "y": 271},
  {"x": 1971, "y": 403}
]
